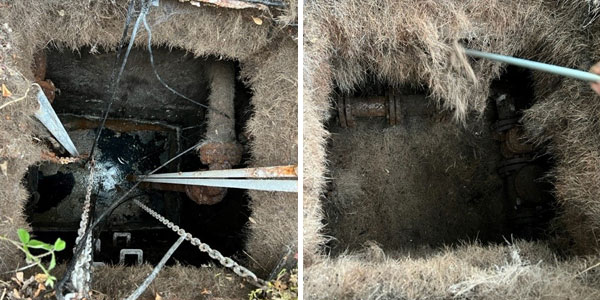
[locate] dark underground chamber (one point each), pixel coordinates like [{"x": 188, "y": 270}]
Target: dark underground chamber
[
  {"x": 147, "y": 126},
  {"x": 519, "y": 204}
]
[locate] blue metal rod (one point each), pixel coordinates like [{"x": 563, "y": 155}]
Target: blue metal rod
[
  {"x": 48, "y": 117},
  {"x": 573, "y": 73},
  {"x": 274, "y": 185}
]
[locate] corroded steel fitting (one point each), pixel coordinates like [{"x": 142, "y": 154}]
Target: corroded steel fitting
[
  {"x": 351, "y": 108},
  {"x": 206, "y": 195},
  {"x": 221, "y": 150},
  {"x": 39, "y": 73},
  {"x": 220, "y": 155}
]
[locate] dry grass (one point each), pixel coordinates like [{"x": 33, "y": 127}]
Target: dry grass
[
  {"x": 415, "y": 43},
  {"x": 174, "y": 282},
  {"x": 406, "y": 43},
  {"x": 18, "y": 148},
  {"x": 570, "y": 130},
  {"x": 520, "y": 271},
  {"x": 268, "y": 58},
  {"x": 273, "y": 134}
]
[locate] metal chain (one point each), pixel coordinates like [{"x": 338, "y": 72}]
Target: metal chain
[
  {"x": 214, "y": 254},
  {"x": 81, "y": 276}
]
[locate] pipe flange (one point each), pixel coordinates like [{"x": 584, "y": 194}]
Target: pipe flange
[
  {"x": 352, "y": 108},
  {"x": 514, "y": 141},
  {"x": 398, "y": 110},
  {"x": 511, "y": 165},
  {"x": 205, "y": 195},
  {"x": 391, "y": 109},
  {"x": 341, "y": 107},
  {"x": 220, "y": 155},
  {"x": 505, "y": 124}
]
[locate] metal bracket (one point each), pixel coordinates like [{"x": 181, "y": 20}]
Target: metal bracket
[
  {"x": 118, "y": 235},
  {"x": 98, "y": 245},
  {"x": 137, "y": 252}
]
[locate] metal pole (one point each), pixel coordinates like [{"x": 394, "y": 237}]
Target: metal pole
[
  {"x": 573, "y": 73},
  {"x": 290, "y": 171},
  {"x": 138, "y": 292},
  {"x": 48, "y": 117},
  {"x": 273, "y": 185}
]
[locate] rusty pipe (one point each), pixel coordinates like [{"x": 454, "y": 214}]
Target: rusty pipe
[
  {"x": 220, "y": 149},
  {"x": 351, "y": 108}
]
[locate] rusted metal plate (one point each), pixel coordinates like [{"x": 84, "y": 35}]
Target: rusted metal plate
[
  {"x": 39, "y": 73},
  {"x": 52, "y": 157},
  {"x": 273, "y": 172},
  {"x": 115, "y": 125}
]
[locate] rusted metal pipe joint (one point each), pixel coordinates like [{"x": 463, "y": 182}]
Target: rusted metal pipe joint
[
  {"x": 220, "y": 150},
  {"x": 39, "y": 73},
  {"x": 220, "y": 155},
  {"x": 351, "y": 108}
]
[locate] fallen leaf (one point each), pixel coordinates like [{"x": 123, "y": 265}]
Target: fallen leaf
[
  {"x": 5, "y": 91},
  {"x": 257, "y": 20},
  {"x": 4, "y": 167},
  {"x": 40, "y": 288},
  {"x": 158, "y": 297},
  {"x": 16, "y": 294},
  {"x": 41, "y": 278},
  {"x": 251, "y": 220},
  {"x": 205, "y": 292},
  {"x": 20, "y": 276},
  {"x": 61, "y": 13},
  {"x": 280, "y": 285}
]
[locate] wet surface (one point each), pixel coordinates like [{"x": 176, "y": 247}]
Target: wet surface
[
  {"x": 119, "y": 154},
  {"x": 147, "y": 126}
]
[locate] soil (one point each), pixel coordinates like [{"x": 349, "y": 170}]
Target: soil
[{"x": 424, "y": 183}]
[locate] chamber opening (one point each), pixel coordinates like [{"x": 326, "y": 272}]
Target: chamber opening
[
  {"x": 406, "y": 176},
  {"x": 147, "y": 125}
]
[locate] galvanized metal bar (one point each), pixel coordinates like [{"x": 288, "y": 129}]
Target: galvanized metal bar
[
  {"x": 48, "y": 117},
  {"x": 290, "y": 171},
  {"x": 568, "y": 72},
  {"x": 138, "y": 292},
  {"x": 275, "y": 185}
]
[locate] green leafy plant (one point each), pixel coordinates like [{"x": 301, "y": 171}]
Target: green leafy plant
[
  {"x": 284, "y": 287},
  {"x": 26, "y": 243}
]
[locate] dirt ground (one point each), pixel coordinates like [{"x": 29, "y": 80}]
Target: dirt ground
[{"x": 423, "y": 183}]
